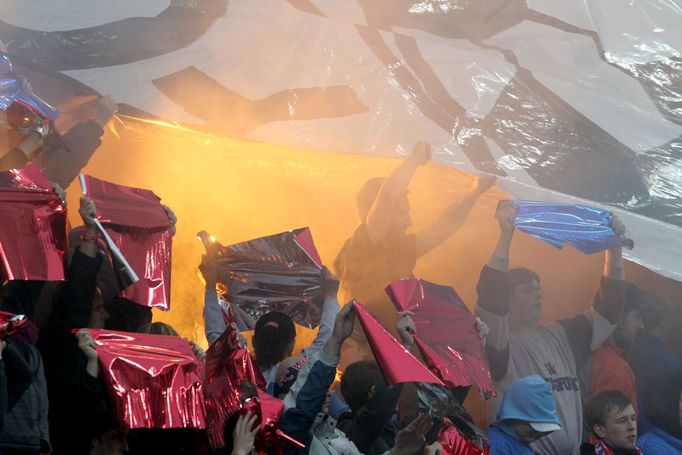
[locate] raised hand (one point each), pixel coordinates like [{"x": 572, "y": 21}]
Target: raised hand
[
  {"x": 506, "y": 215},
  {"x": 410, "y": 439},
  {"x": 244, "y": 434},
  {"x": 406, "y": 328},
  {"x": 421, "y": 154}
]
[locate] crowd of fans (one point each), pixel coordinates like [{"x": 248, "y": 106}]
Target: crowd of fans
[{"x": 601, "y": 382}]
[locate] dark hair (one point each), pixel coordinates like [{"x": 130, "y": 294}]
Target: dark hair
[
  {"x": 126, "y": 315},
  {"x": 597, "y": 408},
  {"x": 157, "y": 328},
  {"x": 228, "y": 430},
  {"x": 521, "y": 276},
  {"x": 366, "y": 196},
  {"x": 272, "y": 337},
  {"x": 357, "y": 382}
]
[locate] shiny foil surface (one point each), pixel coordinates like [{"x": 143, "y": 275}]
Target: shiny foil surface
[
  {"x": 231, "y": 377},
  {"x": 33, "y": 227},
  {"x": 455, "y": 444},
  {"x": 140, "y": 228},
  {"x": 588, "y": 229},
  {"x": 10, "y": 322},
  {"x": 280, "y": 272},
  {"x": 396, "y": 362},
  {"x": 155, "y": 381},
  {"x": 446, "y": 333}
]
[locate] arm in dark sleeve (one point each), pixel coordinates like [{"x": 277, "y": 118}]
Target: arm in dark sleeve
[
  {"x": 3, "y": 394},
  {"x": 81, "y": 140},
  {"x": 309, "y": 399},
  {"x": 373, "y": 417},
  {"x": 492, "y": 307},
  {"x": 579, "y": 333},
  {"x": 586, "y": 332},
  {"x": 74, "y": 305},
  {"x": 609, "y": 299}
]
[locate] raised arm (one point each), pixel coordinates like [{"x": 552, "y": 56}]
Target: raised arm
[
  {"x": 73, "y": 308},
  {"x": 330, "y": 308},
  {"x": 18, "y": 153},
  {"x": 453, "y": 217},
  {"x": 214, "y": 322},
  {"x": 492, "y": 305},
  {"x": 308, "y": 394},
  {"x": 393, "y": 188}
]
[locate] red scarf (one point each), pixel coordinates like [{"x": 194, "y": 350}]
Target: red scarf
[{"x": 600, "y": 448}]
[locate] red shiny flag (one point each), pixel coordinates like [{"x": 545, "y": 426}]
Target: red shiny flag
[
  {"x": 33, "y": 229},
  {"x": 10, "y": 323},
  {"x": 234, "y": 384},
  {"x": 155, "y": 381},
  {"x": 396, "y": 362},
  {"x": 454, "y": 443},
  {"x": 446, "y": 333},
  {"x": 140, "y": 228}
]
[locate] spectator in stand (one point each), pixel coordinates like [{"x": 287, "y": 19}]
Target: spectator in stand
[
  {"x": 649, "y": 354},
  {"x": 612, "y": 420},
  {"x": 380, "y": 250},
  {"x": 527, "y": 413},
  {"x": 61, "y": 157},
  {"x": 661, "y": 433},
  {"x": 608, "y": 368},
  {"x": 517, "y": 346},
  {"x": 274, "y": 336},
  {"x": 77, "y": 399}
]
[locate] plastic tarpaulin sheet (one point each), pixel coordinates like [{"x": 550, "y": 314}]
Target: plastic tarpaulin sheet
[{"x": 565, "y": 101}]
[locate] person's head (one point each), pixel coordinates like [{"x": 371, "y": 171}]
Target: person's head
[
  {"x": 634, "y": 307},
  {"x": 529, "y": 409},
  {"x": 157, "y": 328},
  {"x": 525, "y": 299},
  {"x": 359, "y": 381},
  {"x": 273, "y": 339},
  {"x": 658, "y": 311},
  {"x": 126, "y": 315},
  {"x": 98, "y": 314},
  {"x": 367, "y": 195},
  {"x": 662, "y": 400},
  {"x": 111, "y": 442},
  {"x": 612, "y": 418}
]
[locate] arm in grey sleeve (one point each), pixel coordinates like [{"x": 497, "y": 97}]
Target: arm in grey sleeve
[
  {"x": 214, "y": 322},
  {"x": 330, "y": 308}
]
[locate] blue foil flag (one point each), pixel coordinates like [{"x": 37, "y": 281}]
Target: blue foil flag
[
  {"x": 588, "y": 229},
  {"x": 11, "y": 90}
]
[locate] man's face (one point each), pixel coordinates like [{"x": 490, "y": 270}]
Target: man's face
[
  {"x": 627, "y": 331},
  {"x": 620, "y": 428},
  {"x": 525, "y": 305},
  {"x": 98, "y": 315},
  {"x": 525, "y": 433}
]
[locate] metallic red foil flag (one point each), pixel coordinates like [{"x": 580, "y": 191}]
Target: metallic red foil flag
[
  {"x": 396, "y": 362},
  {"x": 140, "y": 228},
  {"x": 155, "y": 381},
  {"x": 446, "y": 333},
  {"x": 454, "y": 443},
  {"x": 234, "y": 384},
  {"x": 280, "y": 272},
  {"x": 10, "y": 323},
  {"x": 33, "y": 227}
]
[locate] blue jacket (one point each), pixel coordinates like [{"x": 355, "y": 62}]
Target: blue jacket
[
  {"x": 502, "y": 444},
  {"x": 657, "y": 442}
]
